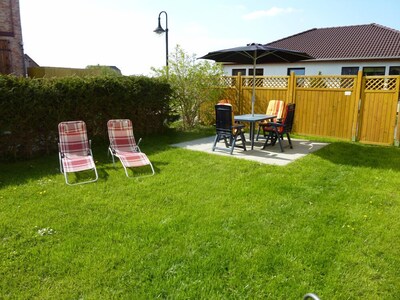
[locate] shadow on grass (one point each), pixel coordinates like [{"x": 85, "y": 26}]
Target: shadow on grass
[
  {"x": 16, "y": 173},
  {"x": 360, "y": 155},
  {"x": 20, "y": 172},
  {"x": 134, "y": 172}
]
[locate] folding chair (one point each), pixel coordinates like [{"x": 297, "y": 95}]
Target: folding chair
[
  {"x": 74, "y": 150},
  {"x": 275, "y": 108},
  {"x": 227, "y": 130},
  {"x": 277, "y": 130},
  {"x": 123, "y": 145}
]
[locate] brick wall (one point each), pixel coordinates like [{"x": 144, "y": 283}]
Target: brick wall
[{"x": 11, "y": 50}]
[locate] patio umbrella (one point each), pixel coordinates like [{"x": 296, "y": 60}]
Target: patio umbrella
[{"x": 255, "y": 54}]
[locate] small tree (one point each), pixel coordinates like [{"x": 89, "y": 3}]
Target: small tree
[{"x": 193, "y": 83}]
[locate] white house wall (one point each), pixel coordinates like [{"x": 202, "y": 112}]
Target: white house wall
[{"x": 315, "y": 68}]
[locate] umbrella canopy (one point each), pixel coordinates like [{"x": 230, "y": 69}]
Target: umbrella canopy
[{"x": 255, "y": 54}]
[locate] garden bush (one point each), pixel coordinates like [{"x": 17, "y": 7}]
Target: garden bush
[{"x": 31, "y": 109}]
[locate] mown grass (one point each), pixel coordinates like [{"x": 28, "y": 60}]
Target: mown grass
[{"x": 204, "y": 227}]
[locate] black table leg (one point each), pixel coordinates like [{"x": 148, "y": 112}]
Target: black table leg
[{"x": 252, "y": 134}]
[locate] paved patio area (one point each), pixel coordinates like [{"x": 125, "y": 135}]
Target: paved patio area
[{"x": 272, "y": 155}]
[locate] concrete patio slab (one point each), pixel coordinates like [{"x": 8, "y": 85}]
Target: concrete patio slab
[{"x": 272, "y": 155}]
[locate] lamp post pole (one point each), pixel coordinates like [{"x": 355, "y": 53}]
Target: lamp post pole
[{"x": 160, "y": 30}]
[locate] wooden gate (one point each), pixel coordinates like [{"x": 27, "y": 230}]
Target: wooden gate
[
  {"x": 326, "y": 106},
  {"x": 379, "y": 110}
]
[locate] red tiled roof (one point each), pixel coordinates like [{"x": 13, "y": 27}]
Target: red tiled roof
[{"x": 369, "y": 41}]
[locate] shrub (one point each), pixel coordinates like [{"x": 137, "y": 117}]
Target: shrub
[{"x": 31, "y": 109}]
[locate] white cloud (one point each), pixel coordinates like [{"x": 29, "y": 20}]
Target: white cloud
[{"x": 272, "y": 12}]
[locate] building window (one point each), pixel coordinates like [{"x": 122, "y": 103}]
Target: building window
[
  {"x": 296, "y": 71},
  {"x": 374, "y": 71},
  {"x": 350, "y": 70},
  {"x": 259, "y": 72},
  {"x": 235, "y": 72},
  {"x": 394, "y": 70}
]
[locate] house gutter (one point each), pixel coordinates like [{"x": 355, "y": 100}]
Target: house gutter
[{"x": 390, "y": 58}]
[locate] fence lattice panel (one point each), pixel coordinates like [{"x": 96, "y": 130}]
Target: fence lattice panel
[
  {"x": 266, "y": 82},
  {"x": 228, "y": 81},
  {"x": 378, "y": 84},
  {"x": 325, "y": 82}
]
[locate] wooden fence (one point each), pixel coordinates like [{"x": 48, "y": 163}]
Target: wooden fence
[{"x": 354, "y": 108}]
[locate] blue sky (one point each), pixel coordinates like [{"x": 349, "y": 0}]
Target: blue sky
[{"x": 77, "y": 33}]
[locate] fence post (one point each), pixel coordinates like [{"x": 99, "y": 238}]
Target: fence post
[
  {"x": 239, "y": 92},
  {"x": 397, "y": 127},
  {"x": 357, "y": 109},
  {"x": 291, "y": 88}
]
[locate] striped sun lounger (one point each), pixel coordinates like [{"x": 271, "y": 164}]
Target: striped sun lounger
[
  {"x": 123, "y": 145},
  {"x": 75, "y": 154}
]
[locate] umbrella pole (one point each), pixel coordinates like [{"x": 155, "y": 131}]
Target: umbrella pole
[{"x": 253, "y": 96}]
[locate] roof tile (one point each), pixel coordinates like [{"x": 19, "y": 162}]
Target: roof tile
[{"x": 358, "y": 41}]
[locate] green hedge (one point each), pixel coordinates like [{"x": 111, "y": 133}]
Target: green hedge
[{"x": 30, "y": 109}]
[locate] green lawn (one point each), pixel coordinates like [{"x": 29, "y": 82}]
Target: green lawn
[{"x": 204, "y": 227}]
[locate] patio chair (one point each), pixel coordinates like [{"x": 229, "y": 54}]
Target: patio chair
[
  {"x": 227, "y": 130},
  {"x": 276, "y": 130},
  {"x": 275, "y": 108},
  {"x": 74, "y": 150},
  {"x": 123, "y": 145}
]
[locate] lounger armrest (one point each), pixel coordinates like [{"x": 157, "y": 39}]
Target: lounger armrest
[
  {"x": 90, "y": 148},
  {"x": 275, "y": 124},
  {"x": 62, "y": 155}
]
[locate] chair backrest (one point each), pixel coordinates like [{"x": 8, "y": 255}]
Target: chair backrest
[
  {"x": 120, "y": 134},
  {"x": 289, "y": 118},
  {"x": 224, "y": 117},
  {"x": 224, "y": 101},
  {"x": 73, "y": 137},
  {"x": 276, "y": 108}
]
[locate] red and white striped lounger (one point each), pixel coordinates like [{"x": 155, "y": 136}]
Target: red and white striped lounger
[
  {"x": 123, "y": 145},
  {"x": 74, "y": 150}
]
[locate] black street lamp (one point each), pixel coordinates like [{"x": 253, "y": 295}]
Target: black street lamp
[{"x": 160, "y": 30}]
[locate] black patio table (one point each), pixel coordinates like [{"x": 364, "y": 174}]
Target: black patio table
[{"x": 252, "y": 119}]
